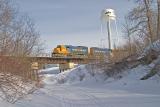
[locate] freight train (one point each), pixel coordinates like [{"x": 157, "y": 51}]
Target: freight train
[{"x": 79, "y": 51}]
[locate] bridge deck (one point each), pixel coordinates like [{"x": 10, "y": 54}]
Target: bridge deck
[{"x": 56, "y": 60}]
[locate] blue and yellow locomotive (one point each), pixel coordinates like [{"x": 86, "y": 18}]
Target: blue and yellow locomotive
[{"x": 69, "y": 50}]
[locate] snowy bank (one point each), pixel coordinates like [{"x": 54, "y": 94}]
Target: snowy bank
[
  {"x": 75, "y": 75},
  {"x": 14, "y": 88}
]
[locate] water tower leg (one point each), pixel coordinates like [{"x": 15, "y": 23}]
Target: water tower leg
[{"x": 109, "y": 33}]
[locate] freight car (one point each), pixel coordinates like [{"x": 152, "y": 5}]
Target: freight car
[{"x": 95, "y": 51}]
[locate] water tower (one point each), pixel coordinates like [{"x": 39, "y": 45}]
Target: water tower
[{"x": 107, "y": 16}]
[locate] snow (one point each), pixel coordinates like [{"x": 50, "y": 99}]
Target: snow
[
  {"x": 12, "y": 88},
  {"x": 72, "y": 76},
  {"x": 155, "y": 47},
  {"x": 78, "y": 87},
  {"x": 52, "y": 70}
]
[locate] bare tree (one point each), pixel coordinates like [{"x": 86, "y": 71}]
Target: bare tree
[
  {"x": 18, "y": 39},
  {"x": 26, "y": 39},
  {"x": 147, "y": 6},
  {"x": 143, "y": 20},
  {"x": 147, "y": 19},
  {"x": 17, "y": 32},
  {"x": 127, "y": 32}
]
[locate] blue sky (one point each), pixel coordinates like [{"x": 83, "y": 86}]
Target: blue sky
[{"x": 73, "y": 22}]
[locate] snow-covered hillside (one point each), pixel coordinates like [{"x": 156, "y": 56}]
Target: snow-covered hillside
[{"x": 80, "y": 88}]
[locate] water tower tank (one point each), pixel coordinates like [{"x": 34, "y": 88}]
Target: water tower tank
[{"x": 108, "y": 14}]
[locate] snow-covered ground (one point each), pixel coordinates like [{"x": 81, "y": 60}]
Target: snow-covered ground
[{"x": 79, "y": 88}]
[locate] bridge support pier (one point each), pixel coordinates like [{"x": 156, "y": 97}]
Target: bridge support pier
[{"x": 66, "y": 66}]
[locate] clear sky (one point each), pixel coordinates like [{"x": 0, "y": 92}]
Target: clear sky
[{"x": 73, "y": 22}]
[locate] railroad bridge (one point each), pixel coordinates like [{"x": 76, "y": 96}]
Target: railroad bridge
[{"x": 64, "y": 62}]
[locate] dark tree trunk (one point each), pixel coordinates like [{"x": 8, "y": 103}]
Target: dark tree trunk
[{"x": 149, "y": 19}]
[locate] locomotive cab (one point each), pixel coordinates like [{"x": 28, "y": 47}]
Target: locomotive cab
[{"x": 60, "y": 50}]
